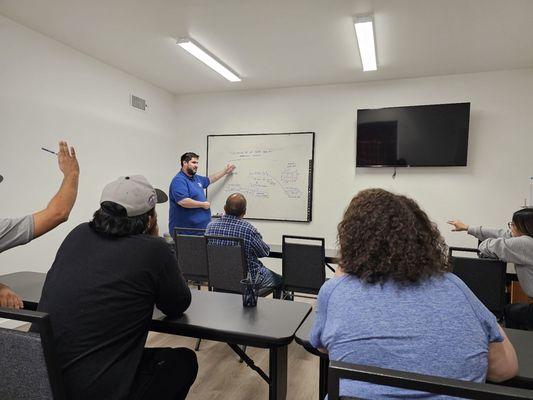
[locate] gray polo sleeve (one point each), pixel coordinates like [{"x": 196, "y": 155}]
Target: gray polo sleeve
[{"x": 15, "y": 231}]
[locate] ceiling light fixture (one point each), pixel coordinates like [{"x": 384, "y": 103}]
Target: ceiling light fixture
[
  {"x": 208, "y": 59},
  {"x": 364, "y": 32}
]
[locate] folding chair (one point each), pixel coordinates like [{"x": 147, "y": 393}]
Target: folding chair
[
  {"x": 413, "y": 381},
  {"x": 486, "y": 278},
  {"x": 303, "y": 264},
  {"x": 191, "y": 253},
  {"x": 28, "y": 361}
]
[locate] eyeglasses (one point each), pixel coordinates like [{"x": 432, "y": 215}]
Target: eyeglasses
[{"x": 510, "y": 224}]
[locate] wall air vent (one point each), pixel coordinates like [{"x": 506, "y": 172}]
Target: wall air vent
[{"x": 138, "y": 103}]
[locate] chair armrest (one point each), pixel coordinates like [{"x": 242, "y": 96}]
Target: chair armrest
[{"x": 426, "y": 383}]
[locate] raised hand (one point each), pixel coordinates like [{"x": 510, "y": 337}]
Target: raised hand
[
  {"x": 229, "y": 169},
  {"x": 458, "y": 226},
  {"x": 68, "y": 163}
]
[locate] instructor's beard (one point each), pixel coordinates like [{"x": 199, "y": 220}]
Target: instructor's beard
[{"x": 191, "y": 171}]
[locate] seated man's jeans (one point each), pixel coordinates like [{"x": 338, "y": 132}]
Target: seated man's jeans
[{"x": 272, "y": 280}]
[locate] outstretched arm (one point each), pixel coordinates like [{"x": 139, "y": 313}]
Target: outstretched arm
[
  {"x": 58, "y": 210},
  {"x": 217, "y": 175},
  {"x": 479, "y": 232}
]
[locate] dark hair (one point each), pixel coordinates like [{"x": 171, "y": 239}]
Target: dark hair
[
  {"x": 235, "y": 205},
  {"x": 188, "y": 157},
  {"x": 111, "y": 219},
  {"x": 523, "y": 220},
  {"x": 385, "y": 236}
]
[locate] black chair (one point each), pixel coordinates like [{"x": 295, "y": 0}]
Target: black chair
[
  {"x": 191, "y": 253},
  {"x": 227, "y": 266},
  {"x": 28, "y": 361},
  {"x": 486, "y": 278},
  {"x": 303, "y": 264},
  {"x": 425, "y": 383},
  {"x": 226, "y": 263},
  {"x": 192, "y": 258}
]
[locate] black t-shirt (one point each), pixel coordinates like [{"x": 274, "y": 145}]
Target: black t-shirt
[{"x": 100, "y": 293}]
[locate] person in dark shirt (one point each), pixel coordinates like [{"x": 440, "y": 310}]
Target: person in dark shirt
[{"x": 100, "y": 293}]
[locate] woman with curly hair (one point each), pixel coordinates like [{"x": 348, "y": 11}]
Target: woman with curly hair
[{"x": 393, "y": 305}]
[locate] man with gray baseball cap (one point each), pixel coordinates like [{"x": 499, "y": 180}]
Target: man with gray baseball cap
[{"x": 100, "y": 292}]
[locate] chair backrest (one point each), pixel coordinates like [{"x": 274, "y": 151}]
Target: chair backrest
[
  {"x": 191, "y": 253},
  {"x": 28, "y": 363},
  {"x": 226, "y": 263},
  {"x": 425, "y": 383},
  {"x": 303, "y": 263},
  {"x": 486, "y": 278}
]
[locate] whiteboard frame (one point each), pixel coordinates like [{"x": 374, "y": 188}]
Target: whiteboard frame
[{"x": 310, "y": 175}]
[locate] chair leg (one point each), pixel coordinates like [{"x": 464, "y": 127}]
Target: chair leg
[
  {"x": 243, "y": 349},
  {"x": 288, "y": 295},
  {"x": 197, "y": 346}
]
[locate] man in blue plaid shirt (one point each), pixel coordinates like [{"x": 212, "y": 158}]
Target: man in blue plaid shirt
[{"x": 232, "y": 224}]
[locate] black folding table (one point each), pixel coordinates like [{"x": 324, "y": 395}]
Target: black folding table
[{"x": 214, "y": 316}]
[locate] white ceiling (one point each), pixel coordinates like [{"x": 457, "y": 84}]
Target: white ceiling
[{"x": 283, "y": 43}]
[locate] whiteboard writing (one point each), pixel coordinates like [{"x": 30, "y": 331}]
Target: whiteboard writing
[{"x": 273, "y": 172}]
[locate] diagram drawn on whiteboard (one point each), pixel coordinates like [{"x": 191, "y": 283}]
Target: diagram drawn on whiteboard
[{"x": 273, "y": 171}]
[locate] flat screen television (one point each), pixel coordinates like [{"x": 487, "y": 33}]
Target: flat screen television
[{"x": 433, "y": 135}]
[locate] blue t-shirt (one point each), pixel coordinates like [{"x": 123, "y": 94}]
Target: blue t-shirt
[
  {"x": 437, "y": 327},
  {"x": 182, "y": 187}
]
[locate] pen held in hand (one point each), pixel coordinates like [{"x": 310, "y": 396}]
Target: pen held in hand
[{"x": 49, "y": 151}]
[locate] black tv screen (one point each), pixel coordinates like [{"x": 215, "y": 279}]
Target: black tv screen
[{"x": 415, "y": 136}]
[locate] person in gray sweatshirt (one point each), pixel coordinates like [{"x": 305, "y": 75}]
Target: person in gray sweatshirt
[{"x": 514, "y": 245}]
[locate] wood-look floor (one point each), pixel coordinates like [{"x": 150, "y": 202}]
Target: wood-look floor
[{"x": 222, "y": 377}]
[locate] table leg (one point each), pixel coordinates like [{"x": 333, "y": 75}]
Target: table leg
[
  {"x": 323, "y": 378},
  {"x": 278, "y": 373}
]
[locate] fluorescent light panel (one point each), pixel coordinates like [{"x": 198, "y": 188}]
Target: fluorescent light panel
[
  {"x": 364, "y": 31},
  {"x": 196, "y": 50}
]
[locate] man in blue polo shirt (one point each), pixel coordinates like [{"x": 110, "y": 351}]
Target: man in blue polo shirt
[{"x": 189, "y": 207}]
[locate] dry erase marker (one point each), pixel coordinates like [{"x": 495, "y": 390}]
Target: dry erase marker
[{"x": 50, "y": 151}]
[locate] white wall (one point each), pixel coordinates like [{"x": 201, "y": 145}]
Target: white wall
[
  {"x": 49, "y": 92},
  {"x": 486, "y": 192}
]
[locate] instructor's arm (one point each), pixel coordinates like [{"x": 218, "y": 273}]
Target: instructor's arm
[
  {"x": 58, "y": 210},
  {"x": 190, "y": 203},
  {"x": 217, "y": 175}
]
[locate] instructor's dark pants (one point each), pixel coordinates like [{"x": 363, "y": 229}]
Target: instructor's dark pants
[
  {"x": 164, "y": 374},
  {"x": 519, "y": 316}
]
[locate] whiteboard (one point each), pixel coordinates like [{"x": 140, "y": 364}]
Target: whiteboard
[{"x": 273, "y": 171}]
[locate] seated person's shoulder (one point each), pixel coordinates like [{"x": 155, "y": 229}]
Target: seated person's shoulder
[
  {"x": 455, "y": 286},
  {"x": 156, "y": 246},
  {"x": 451, "y": 280},
  {"x": 82, "y": 229},
  {"x": 249, "y": 226},
  {"x": 158, "y": 243},
  {"x": 524, "y": 240},
  {"x": 331, "y": 284}
]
